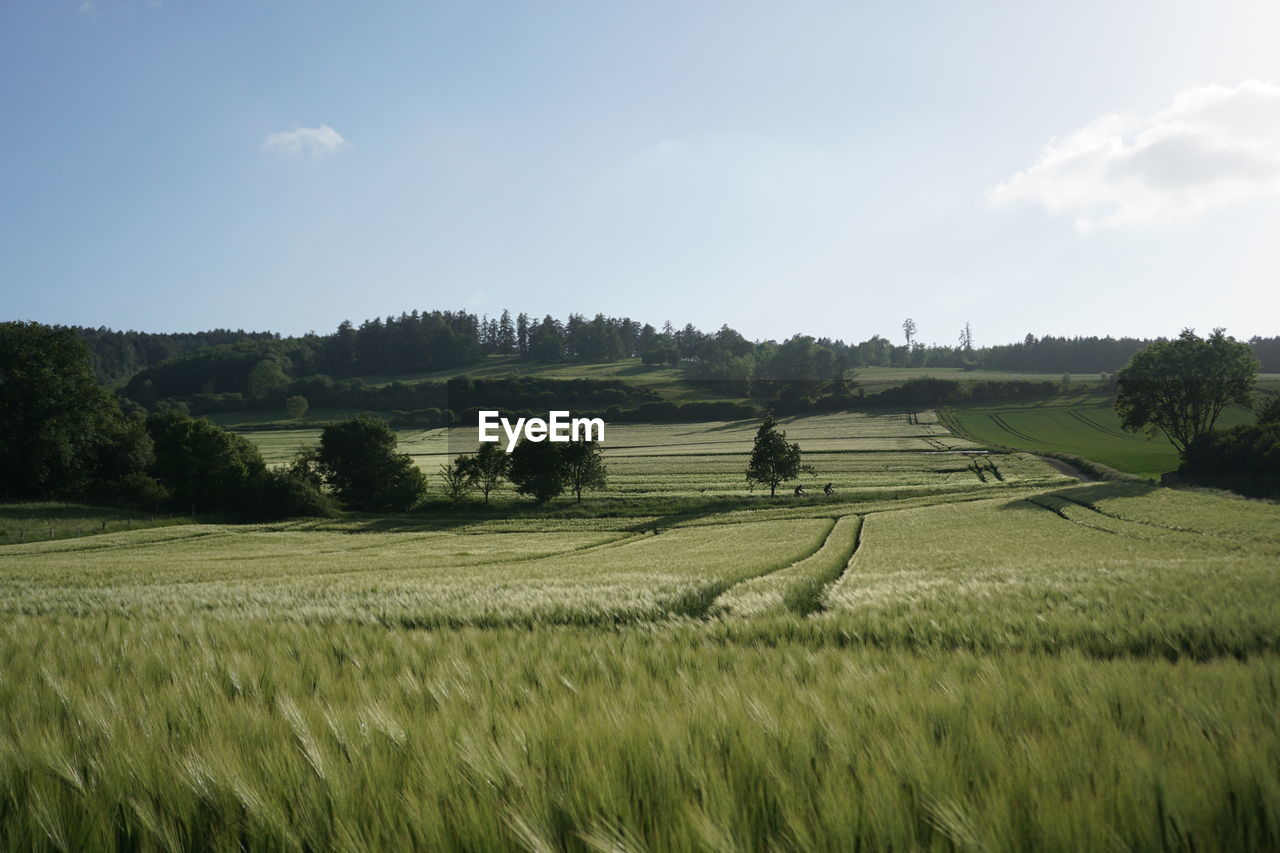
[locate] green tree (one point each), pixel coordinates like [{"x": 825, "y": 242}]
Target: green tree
[
  {"x": 306, "y": 466},
  {"x": 1180, "y": 387},
  {"x": 200, "y": 463},
  {"x": 773, "y": 459},
  {"x": 296, "y": 406},
  {"x": 121, "y": 455},
  {"x": 1268, "y": 411},
  {"x": 492, "y": 467},
  {"x": 537, "y": 470},
  {"x": 266, "y": 378},
  {"x": 584, "y": 467},
  {"x": 56, "y": 424},
  {"x": 359, "y": 462},
  {"x": 459, "y": 476}
]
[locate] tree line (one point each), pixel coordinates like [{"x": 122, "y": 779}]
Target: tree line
[{"x": 256, "y": 364}]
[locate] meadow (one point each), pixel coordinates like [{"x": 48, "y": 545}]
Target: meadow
[{"x": 958, "y": 650}]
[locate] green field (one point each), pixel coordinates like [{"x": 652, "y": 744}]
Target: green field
[
  {"x": 1083, "y": 425},
  {"x": 956, "y": 651}
]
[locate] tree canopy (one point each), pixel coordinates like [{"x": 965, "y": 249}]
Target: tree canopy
[{"x": 1180, "y": 387}]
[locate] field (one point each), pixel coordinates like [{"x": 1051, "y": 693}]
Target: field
[
  {"x": 868, "y": 453},
  {"x": 1082, "y": 425},
  {"x": 958, "y": 650}
]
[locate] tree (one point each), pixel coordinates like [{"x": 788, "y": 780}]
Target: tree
[
  {"x": 909, "y": 330},
  {"x": 121, "y": 455},
  {"x": 1268, "y": 411},
  {"x": 537, "y": 470},
  {"x": 522, "y": 334},
  {"x": 459, "y": 476},
  {"x": 584, "y": 467},
  {"x": 267, "y": 377},
  {"x": 296, "y": 406},
  {"x": 200, "y": 463},
  {"x": 1180, "y": 387},
  {"x": 506, "y": 334},
  {"x": 966, "y": 338},
  {"x": 492, "y": 466},
  {"x": 359, "y": 462},
  {"x": 52, "y": 414},
  {"x": 773, "y": 459}
]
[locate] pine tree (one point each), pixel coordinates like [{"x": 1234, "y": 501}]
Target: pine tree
[
  {"x": 506, "y": 334},
  {"x": 522, "y": 334}
]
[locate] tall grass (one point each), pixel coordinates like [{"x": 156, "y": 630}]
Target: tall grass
[
  {"x": 1009, "y": 665},
  {"x": 202, "y": 733}
]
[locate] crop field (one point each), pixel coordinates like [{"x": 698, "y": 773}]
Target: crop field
[
  {"x": 959, "y": 650},
  {"x": 851, "y": 450},
  {"x": 1083, "y": 426}
]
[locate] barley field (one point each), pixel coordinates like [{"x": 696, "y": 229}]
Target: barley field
[{"x": 957, "y": 651}]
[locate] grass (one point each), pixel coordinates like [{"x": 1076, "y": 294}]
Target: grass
[
  {"x": 35, "y": 521},
  {"x": 953, "y": 652},
  {"x": 1082, "y": 425}
]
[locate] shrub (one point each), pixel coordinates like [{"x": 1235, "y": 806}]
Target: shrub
[
  {"x": 1244, "y": 458},
  {"x": 275, "y": 495}
]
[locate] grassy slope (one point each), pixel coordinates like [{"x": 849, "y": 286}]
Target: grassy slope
[
  {"x": 1083, "y": 425},
  {"x": 38, "y": 521}
]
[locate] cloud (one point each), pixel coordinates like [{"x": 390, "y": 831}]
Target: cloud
[
  {"x": 316, "y": 141},
  {"x": 1212, "y": 147}
]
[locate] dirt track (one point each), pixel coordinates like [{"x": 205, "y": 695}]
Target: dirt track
[{"x": 1070, "y": 470}]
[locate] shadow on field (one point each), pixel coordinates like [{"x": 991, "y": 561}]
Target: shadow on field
[
  {"x": 1087, "y": 495},
  {"x": 748, "y": 422}
]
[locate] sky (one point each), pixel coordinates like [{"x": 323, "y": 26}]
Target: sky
[{"x": 1089, "y": 168}]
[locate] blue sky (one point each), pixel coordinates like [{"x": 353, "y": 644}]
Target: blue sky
[{"x": 1086, "y": 168}]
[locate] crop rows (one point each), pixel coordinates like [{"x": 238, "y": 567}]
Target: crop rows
[{"x": 954, "y": 652}]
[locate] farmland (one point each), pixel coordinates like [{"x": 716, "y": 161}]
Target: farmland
[
  {"x": 955, "y": 651},
  {"x": 1082, "y": 425}
]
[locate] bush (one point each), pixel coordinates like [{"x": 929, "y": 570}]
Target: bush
[
  {"x": 1268, "y": 411},
  {"x": 275, "y": 495},
  {"x": 134, "y": 490},
  {"x": 1245, "y": 459}
]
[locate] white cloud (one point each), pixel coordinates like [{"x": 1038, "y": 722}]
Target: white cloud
[
  {"x": 1212, "y": 147},
  {"x": 316, "y": 141}
]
